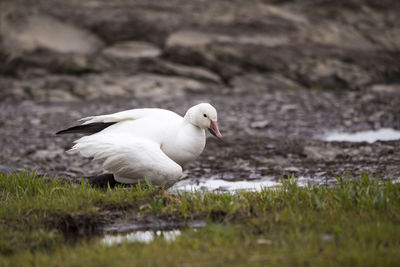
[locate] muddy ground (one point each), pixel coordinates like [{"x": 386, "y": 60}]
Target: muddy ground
[{"x": 281, "y": 74}]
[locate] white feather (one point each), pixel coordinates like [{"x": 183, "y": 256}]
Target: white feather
[
  {"x": 132, "y": 114},
  {"x": 125, "y": 156}
]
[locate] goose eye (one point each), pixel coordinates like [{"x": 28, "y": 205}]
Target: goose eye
[{"x": 205, "y": 116}]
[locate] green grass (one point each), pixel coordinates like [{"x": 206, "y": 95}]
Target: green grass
[{"x": 353, "y": 223}]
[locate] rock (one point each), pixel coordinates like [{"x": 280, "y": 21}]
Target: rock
[
  {"x": 165, "y": 67},
  {"x": 289, "y": 107},
  {"x": 259, "y": 83},
  {"x": 58, "y": 88},
  {"x": 46, "y": 88},
  {"x": 337, "y": 34},
  {"x": 315, "y": 45},
  {"x": 286, "y": 15},
  {"x": 366, "y": 150},
  {"x": 334, "y": 73},
  {"x": 389, "y": 39},
  {"x": 29, "y": 32},
  {"x": 385, "y": 89},
  {"x": 70, "y": 63},
  {"x": 101, "y": 86},
  {"x": 262, "y": 39},
  {"x": 321, "y": 153},
  {"x": 60, "y": 96},
  {"x": 347, "y": 123},
  {"x": 195, "y": 39},
  {"x": 376, "y": 116},
  {"x": 190, "y": 39},
  {"x": 5, "y": 169},
  {"x": 132, "y": 50},
  {"x": 47, "y": 154},
  {"x": 163, "y": 87},
  {"x": 269, "y": 146},
  {"x": 18, "y": 93},
  {"x": 259, "y": 124}
]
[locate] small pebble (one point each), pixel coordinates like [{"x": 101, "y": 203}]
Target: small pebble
[{"x": 259, "y": 124}]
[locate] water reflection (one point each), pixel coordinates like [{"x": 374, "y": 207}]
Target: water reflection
[
  {"x": 141, "y": 237},
  {"x": 224, "y": 185},
  {"x": 220, "y": 185}
]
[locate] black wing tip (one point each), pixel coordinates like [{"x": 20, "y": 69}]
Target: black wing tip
[
  {"x": 69, "y": 130},
  {"x": 62, "y": 132},
  {"x": 90, "y": 128}
]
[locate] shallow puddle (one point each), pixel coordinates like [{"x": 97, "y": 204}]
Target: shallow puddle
[
  {"x": 223, "y": 185},
  {"x": 220, "y": 185},
  {"x": 386, "y": 134},
  {"x": 140, "y": 236},
  {"x": 131, "y": 225}
]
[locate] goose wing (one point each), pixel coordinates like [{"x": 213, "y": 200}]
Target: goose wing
[
  {"x": 130, "y": 159},
  {"x": 133, "y": 114},
  {"x": 95, "y": 124}
]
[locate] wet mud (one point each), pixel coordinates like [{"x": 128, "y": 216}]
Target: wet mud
[{"x": 265, "y": 134}]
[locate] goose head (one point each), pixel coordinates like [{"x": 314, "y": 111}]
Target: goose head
[{"x": 204, "y": 116}]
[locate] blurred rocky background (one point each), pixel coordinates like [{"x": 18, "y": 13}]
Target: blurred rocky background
[
  {"x": 69, "y": 50},
  {"x": 273, "y": 68}
]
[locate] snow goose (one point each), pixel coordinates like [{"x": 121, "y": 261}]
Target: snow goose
[{"x": 148, "y": 143}]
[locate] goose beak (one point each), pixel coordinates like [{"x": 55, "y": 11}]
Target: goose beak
[{"x": 214, "y": 129}]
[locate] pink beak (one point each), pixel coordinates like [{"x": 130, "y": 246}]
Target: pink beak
[{"x": 214, "y": 128}]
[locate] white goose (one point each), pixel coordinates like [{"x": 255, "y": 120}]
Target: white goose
[{"x": 148, "y": 143}]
